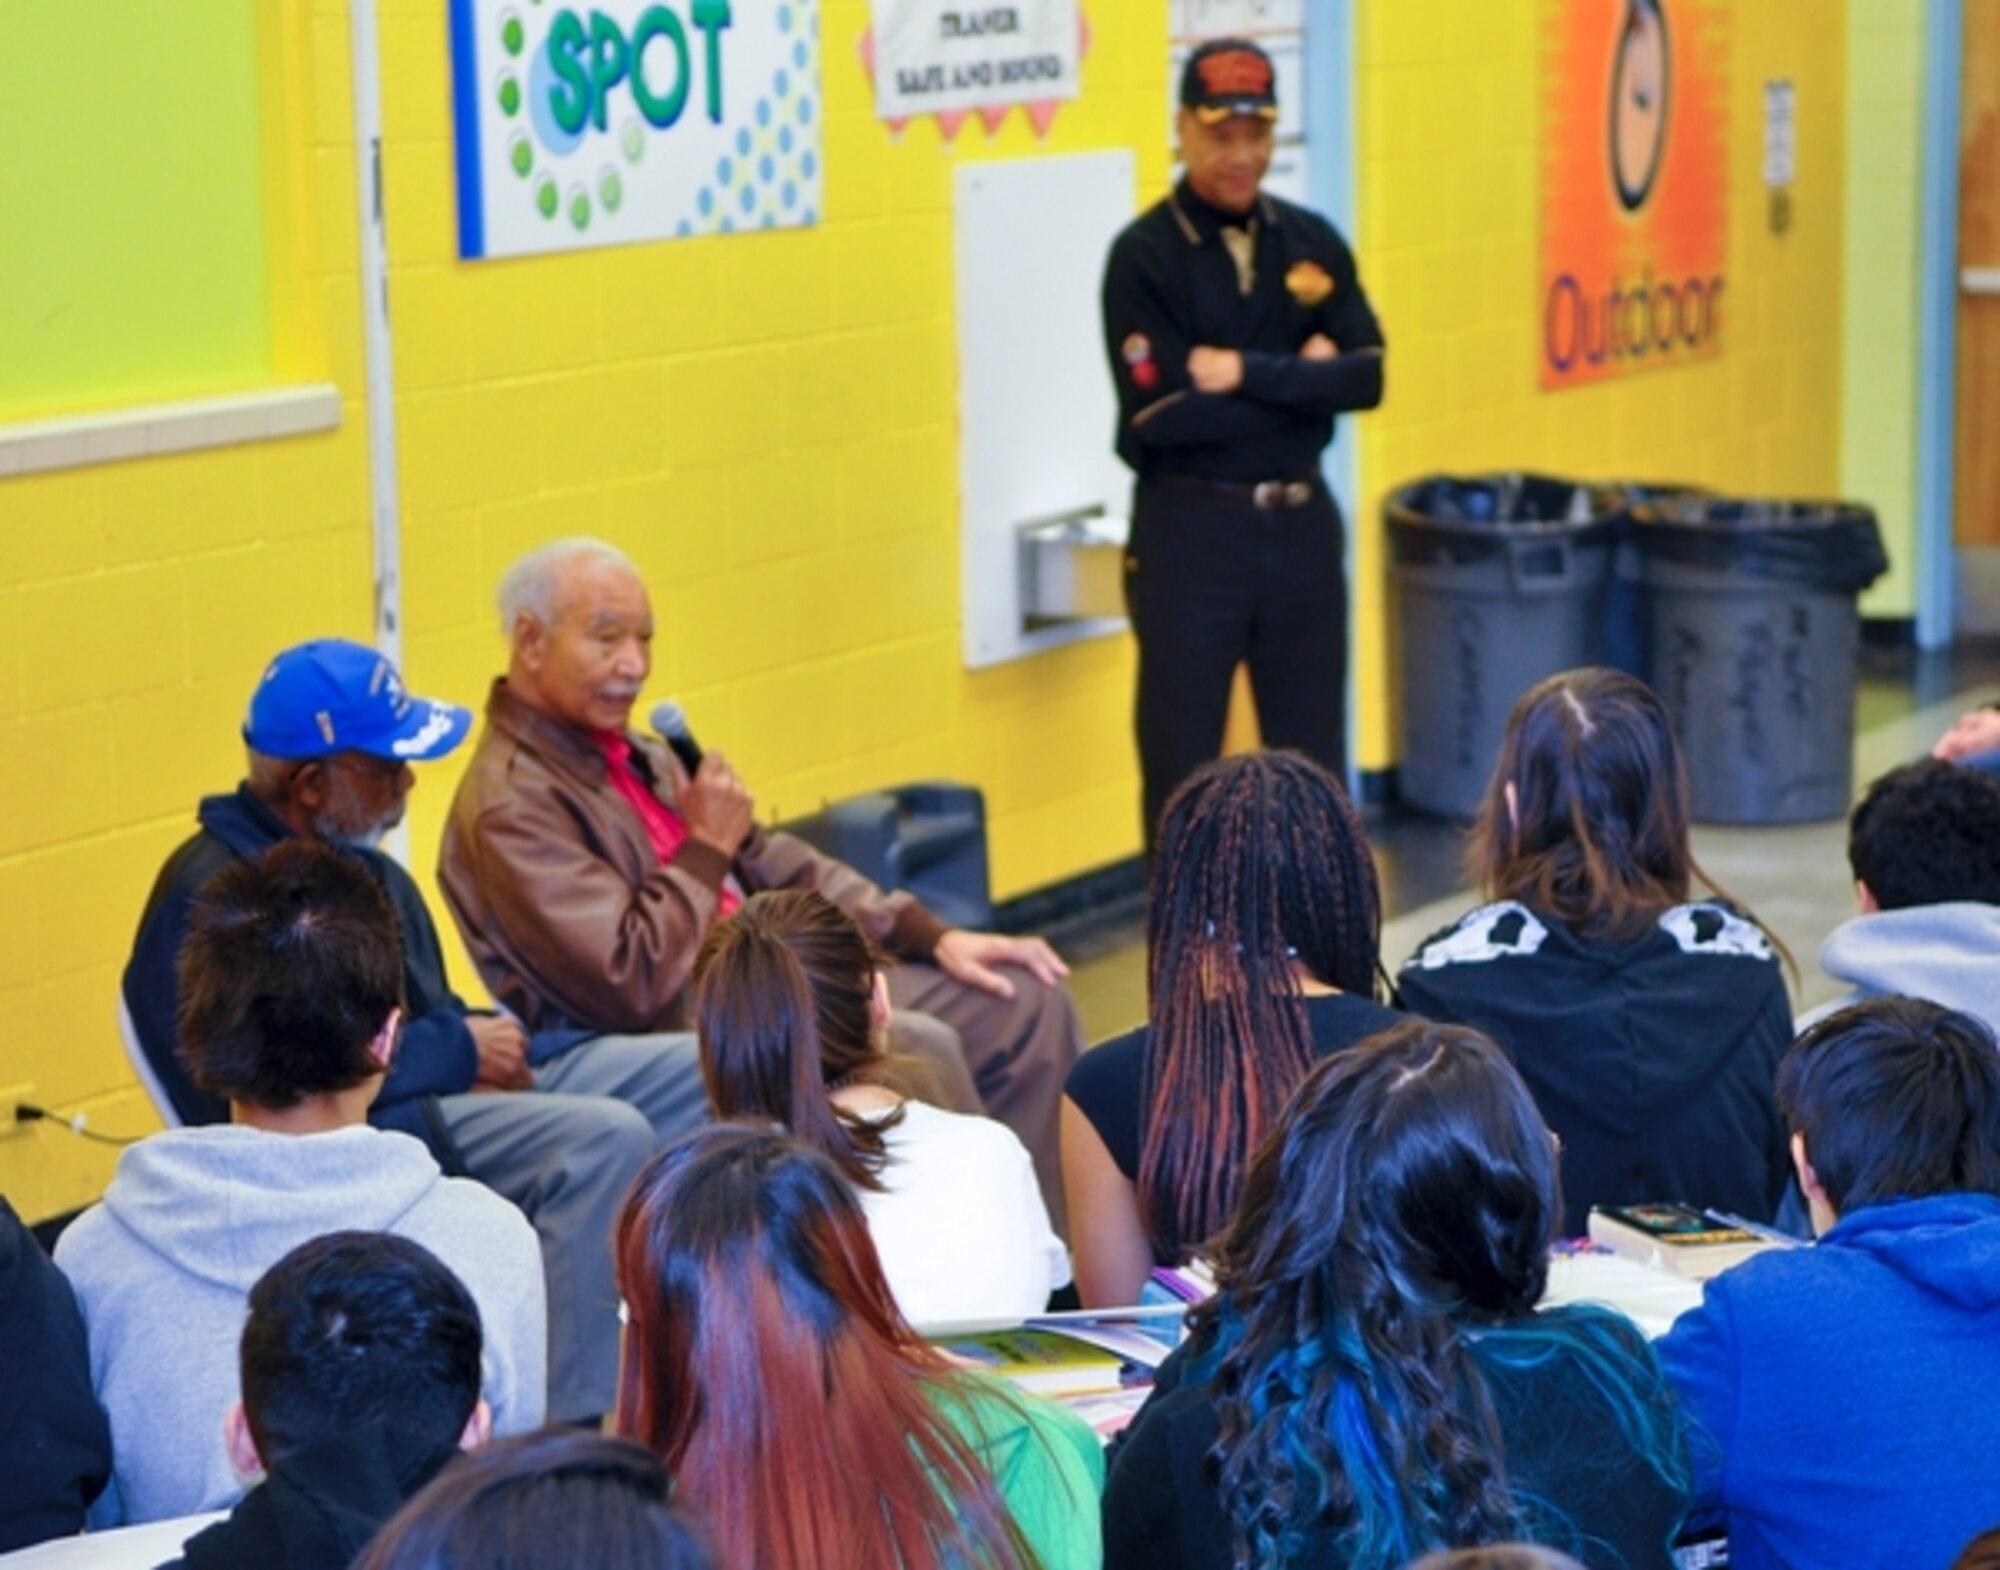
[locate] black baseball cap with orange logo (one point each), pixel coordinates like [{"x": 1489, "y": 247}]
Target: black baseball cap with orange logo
[{"x": 1228, "y": 76}]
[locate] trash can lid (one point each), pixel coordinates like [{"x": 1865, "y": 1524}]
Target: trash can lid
[{"x": 1832, "y": 545}]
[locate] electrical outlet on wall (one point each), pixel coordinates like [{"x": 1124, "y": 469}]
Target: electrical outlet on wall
[{"x": 11, "y": 1097}]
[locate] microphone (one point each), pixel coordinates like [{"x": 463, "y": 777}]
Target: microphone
[{"x": 670, "y": 721}]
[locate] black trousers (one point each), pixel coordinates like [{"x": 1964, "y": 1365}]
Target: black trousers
[{"x": 1213, "y": 581}]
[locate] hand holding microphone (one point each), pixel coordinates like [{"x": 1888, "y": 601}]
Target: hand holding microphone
[{"x": 718, "y": 806}]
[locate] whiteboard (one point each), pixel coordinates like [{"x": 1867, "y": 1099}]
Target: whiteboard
[{"x": 1036, "y": 415}]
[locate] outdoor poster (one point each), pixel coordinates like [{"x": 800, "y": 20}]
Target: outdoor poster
[
  {"x": 936, "y": 57},
  {"x": 629, "y": 120},
  {"x": 1635, "y": 167}
]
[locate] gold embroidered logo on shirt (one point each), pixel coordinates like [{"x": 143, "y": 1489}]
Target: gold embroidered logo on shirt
[{"x": 1310, "y": 283}]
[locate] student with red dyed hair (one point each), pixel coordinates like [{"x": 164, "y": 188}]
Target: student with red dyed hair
[
  {"x": 1263, "y": 934},
  {"x": 805, "y": 1424},
  {"x": 793, "y": 1015}
]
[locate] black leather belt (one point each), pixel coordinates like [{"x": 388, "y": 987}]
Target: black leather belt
[{"x": 1264, "y": 495}]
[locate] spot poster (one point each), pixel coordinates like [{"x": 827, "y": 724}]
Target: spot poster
[
  {"x": 627, "y": 120},
  {"x": 1635, "y": 167}
]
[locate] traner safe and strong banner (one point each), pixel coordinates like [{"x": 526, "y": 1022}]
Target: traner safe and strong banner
[
  {"x": 1635, "y": 166},
  {"x": 622, "y": 120}
]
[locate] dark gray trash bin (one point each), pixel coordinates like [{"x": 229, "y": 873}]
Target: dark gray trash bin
[
  {"x": 1500, "y": 581},
  {"x": 1753, "y": 638}
]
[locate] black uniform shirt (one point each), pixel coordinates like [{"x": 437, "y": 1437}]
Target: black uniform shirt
[{"x": 1171, "y": 284}]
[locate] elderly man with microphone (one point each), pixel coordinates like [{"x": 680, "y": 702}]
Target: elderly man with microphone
[{"x": 585, "y": 864}]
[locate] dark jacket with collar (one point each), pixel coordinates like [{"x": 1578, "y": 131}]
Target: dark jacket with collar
[
  {"x": 564, "y": 903},
  {"x": 55, "y": 1446},
  {"x": 1170, "y": 285},
  {"x": 320, "y": 1507},
  {"x": 436, "y": 1055}
]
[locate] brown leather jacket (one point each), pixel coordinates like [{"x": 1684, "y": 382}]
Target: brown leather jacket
[{"x": 566, "y": 908}]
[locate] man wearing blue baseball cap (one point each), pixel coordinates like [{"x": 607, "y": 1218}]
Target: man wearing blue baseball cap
[{"x": 331, "y": 736}]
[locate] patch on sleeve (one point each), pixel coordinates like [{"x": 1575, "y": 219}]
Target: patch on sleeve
[
  {"x": 1310, "y": 284},
  {"x": 1489, "y": 933},
  {"x": 1137, "y": 350},
  {"x": 1716, "y": 930}
]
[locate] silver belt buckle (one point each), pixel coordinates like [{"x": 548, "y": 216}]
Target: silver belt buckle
[
  {"x": 1267, "y": 494},
  {"x": 1298, "y": 492}
]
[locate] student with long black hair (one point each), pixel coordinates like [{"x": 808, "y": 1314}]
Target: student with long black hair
[
  {"x": 1372, "y": 1381},
  {"x": 1262, "y": 956},
  {"x": 1648, "y": 1022}
]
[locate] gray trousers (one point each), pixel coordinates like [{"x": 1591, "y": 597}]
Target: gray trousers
[{"x": 565, "y": 1152}]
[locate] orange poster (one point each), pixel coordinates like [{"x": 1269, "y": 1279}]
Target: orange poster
[{"x": 1635, "y": 185}]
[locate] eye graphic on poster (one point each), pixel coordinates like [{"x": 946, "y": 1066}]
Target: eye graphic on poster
[{"x": 1640, "y": 84}]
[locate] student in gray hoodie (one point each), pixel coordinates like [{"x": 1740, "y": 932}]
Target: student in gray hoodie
[
  {"x": 1924, "y": 843},
  {"x": 291, "y": 990}
]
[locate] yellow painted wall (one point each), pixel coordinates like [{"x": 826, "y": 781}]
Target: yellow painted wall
[
  {"x": 138, "y": 602},
  {"x": 1448, "y": 237},
  {"x": 1885, "y": 86},
  {"x": 766, "y": 423}
]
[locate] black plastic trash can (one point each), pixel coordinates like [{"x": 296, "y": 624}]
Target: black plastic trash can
[
  {"x": 1753, "y": 636},
  {"x": 1500, "y": 581}
]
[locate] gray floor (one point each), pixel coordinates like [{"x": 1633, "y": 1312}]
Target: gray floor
[{"x": 1794, "y": 878}]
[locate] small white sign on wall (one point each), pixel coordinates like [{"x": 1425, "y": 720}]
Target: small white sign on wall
[
  {"x": 1781, "y": 139},
  {"x": 1192, "y": 19},
  {"x": 932, "y": 56}
]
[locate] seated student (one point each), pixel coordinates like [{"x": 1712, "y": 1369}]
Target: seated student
[
  {"x": 1500, "y": 1556},
  {"x": 360, "y": 1365},
  {"x": 1982, "y": 1553},
  {"x": 291, "y": 987},
  {"x": 557, "y": 1497},
  {"x": 805, "y": 1424},
  {"x": 1649, "y": 1027},
  {"x": 1372, "y": 1380},
  {"x": 1844, "y": 1394},
  {"x": 1924, "y": 843},
  {"x": 792, "y": 1015},
  {"x": 55, "y": 1450},
  {"x": 1973, "y": 740},
  {"x": 1262, "y": 955}
]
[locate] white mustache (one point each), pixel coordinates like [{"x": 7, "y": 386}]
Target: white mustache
[{"x": 619, "y": 694}]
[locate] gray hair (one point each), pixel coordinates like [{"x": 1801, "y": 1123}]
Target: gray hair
[{"x": 528, "y": 588}]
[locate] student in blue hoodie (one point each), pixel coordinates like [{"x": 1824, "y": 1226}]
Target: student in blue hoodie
[
  {"x": 1924, "y": 843},
  {"x": 1846, "y": 1396}
]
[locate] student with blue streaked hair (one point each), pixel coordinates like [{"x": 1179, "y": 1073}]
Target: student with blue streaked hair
[{"x": 1372, "y": 1381}]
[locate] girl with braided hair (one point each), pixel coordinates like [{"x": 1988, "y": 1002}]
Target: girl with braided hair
[
  {"x": 1263, "y": 932},
  {"x": 1647, "y": 1021},
  {"x": 1372, "y": 1382}
]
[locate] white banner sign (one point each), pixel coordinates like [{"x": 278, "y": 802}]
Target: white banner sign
[
  {"x": 628, "y": 120},
  {"x": 934, "y": 57}
]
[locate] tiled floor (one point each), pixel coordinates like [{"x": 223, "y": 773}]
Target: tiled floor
[{"x": 1795, "y": 878}]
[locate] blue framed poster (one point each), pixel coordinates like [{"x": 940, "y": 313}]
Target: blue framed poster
[{"x": 629, "y": 120}]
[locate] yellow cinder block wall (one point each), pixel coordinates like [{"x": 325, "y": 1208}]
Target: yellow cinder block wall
[
  {"x": 138, "y": 602},
  {"x": 1449, "y": 187},
  {"x": 766, "y": 423}
]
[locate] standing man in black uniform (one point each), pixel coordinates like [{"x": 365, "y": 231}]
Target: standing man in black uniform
[{"x": 1237, "y": 330}]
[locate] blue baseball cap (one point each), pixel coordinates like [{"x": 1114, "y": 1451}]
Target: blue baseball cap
[{"x": 332, "y": 696}]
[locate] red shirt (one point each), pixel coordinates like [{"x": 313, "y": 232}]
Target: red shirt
[{"x": 666, "y": 828}]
